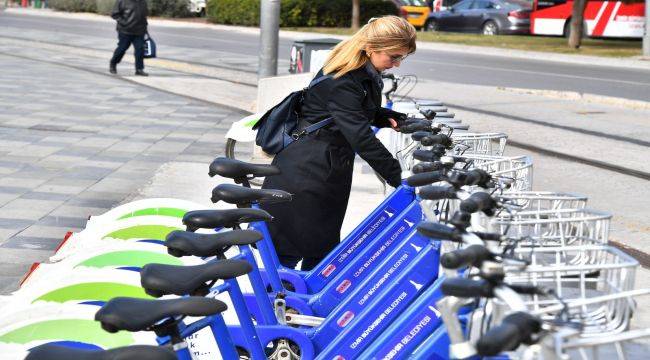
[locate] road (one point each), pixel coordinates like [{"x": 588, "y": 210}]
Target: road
[{"x": 238, "y": 50}]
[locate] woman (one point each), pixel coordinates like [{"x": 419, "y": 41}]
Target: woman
[{"x": 317, "y": 168}]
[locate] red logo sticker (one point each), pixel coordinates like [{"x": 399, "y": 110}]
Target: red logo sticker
[
  {"x": 345, "y": 318},
  {"x": 343, "y": 286},
  {"x": 328, "y": 270},
  {"x": 338, "y": 357}
]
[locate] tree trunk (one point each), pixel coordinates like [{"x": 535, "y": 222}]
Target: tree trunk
[
  {"x": 577, "y": 23},
  {"x": 355, "y": 15}
]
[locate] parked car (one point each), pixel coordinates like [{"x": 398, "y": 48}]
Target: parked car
[
  {"x": 489, "y": 17},
  {"x": 415, "y": 11}
]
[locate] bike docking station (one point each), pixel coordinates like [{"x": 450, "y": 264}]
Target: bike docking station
[{"x": 437, "y": 270}]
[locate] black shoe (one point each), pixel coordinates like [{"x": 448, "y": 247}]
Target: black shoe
[
  {"x": 141, "y": 72},
  {"x": 112, "y": 69}
]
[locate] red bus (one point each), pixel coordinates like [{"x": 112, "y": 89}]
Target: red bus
[{"x": 621, "y": 19}]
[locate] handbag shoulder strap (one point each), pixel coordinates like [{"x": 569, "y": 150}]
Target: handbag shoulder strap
[
  {"x": 313, "y": 127},
  {"x": 318, "y": 80}
]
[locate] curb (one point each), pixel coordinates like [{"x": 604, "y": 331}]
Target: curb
[
  {"x": 627, "y": 63},
  {"x": 573, "y": 95},
  {"x": 642, "y": 257}
]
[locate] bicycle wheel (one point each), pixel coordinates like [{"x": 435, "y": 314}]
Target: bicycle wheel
[{"x": 240, "y": 153}]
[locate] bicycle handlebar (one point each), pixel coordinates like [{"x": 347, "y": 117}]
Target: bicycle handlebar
[
  {"x": 427, "y": 166},
  {"x": 428, "y": 114},
  {"x": 425, "y": 178},
  {"x": 432, "y": 192},
  {"x": 438, "y": 139},
  {"x": 410, "y": 126},
  {"x": 434, "y": 154},
  {"x": 479, "y": 201},
  {"x": 489, "y": 236},
  {"x": 467, "y": 288},
  {"x": 515, "y": 329},
  {"x": 472, "y": 177},
  {"x": 419, "y": 135},
  {"x": 439, "y": 231},
  {"x": 473, "y": 255}
]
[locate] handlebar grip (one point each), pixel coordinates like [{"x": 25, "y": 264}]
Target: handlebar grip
[
  {"x": 459, "y": 126},
  {"x": 478, "y": 177},
  {"x": 488, "y": 236},
  {"x": 427, "y": 166},
  {"x": 419, "y": 135},
  {"x": 425, "y": 178},
  {"x": 438, "y": 149},
  {"x": 467, "y": 288},
  {"x": 437, "y": 192},
  {"x": 439, "y": 231},
  {"x": 425, "y": 155},
  {"x": 527, "y": 289},
  {"x": 480, "y": 201},
  {"x": 428, "y": 114},
  {"x": 472, "y": 255},
  {"x": 440, "y": 139},
  {"x": 515, "y": 329},
  {"x": 410, "y": 127}
]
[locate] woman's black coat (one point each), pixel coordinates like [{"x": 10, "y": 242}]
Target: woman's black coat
[{"x": 317, "y": 169}]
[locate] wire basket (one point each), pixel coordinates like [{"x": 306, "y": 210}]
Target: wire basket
[
  {"x": 575, "y": 274},
  {"x": 516, "y": 171},
  {"x": 568, "y": 340},
  {"x": 479, "y": 143},
  {"x": 568, "y": 343},
  {"x": 542, "y": 200},
  {"x": 556, "y": 227}
]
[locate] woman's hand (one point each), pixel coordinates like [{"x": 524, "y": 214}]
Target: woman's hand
[{"x": 393, "y": 124}]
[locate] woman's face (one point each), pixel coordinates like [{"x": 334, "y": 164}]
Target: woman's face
[{"x": 384, "y": 60}]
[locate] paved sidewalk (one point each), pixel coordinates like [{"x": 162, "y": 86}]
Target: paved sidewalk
[{"x": 76, "y": 143}]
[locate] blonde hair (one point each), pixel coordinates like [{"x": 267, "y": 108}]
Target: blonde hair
[{"x": 379, "y": 34}]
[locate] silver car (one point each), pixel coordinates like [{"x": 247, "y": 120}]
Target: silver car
[{"x": 489, "y": 17}]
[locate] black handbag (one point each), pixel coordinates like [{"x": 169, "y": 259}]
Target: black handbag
[
  {"x": 149, "y": 47},
  {"x": 278, "y": 127}
]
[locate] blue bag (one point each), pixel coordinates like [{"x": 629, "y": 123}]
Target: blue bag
[
  {"x": 149, "y": 47},
  {"x": 279, "y": 126}
]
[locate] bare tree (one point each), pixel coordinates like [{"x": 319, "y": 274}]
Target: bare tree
[
  {"x": 355, "y": 15},
  {"x": 577, "y": 23}
]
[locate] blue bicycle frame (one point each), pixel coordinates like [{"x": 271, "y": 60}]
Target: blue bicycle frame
[
  {"x": 246, "y": 336},
  {"x": 365, "y": 234},
  {"x": 348, "y": 284},
  {"x": 408, "y": 272},
  {"x": 416, "y": 324}
]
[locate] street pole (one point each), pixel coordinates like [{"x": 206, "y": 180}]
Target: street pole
[
  {"x": 646, "y": 33},
  {"x": 269, "y": 34}
]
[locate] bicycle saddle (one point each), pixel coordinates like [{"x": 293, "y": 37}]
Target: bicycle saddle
[
  {"x": 139, "y": 352},
  {"x": 243, "y": 196},
  {"x": 160, "y": 279},
  {"x": 184, "y": 243},
  {"x": 210, "y": 219},
  {"x": 235, "y": 169},
  {"x": 131, "y": 314}
]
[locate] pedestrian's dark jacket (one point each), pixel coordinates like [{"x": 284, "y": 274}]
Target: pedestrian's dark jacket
[
  {"x": 317, "y": 169},
  {"x": 354, "y": 101},
  {"x": 131, "y": 16}
]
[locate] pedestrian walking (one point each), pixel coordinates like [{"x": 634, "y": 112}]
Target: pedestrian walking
[
  {"x": 317, "y": 168},
  {"x": 131, "y": 17}
]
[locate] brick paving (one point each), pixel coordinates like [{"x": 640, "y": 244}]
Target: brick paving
[{"x": 75, "y": 143}]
